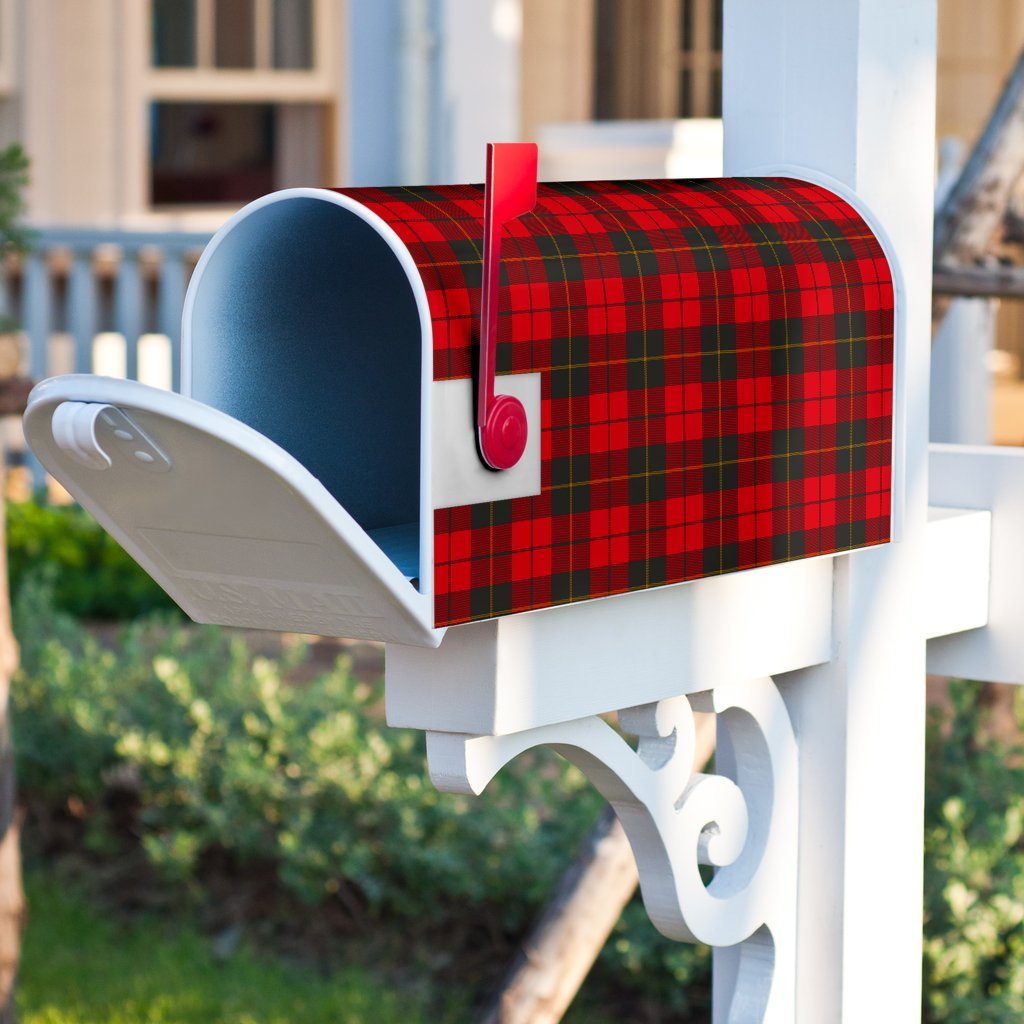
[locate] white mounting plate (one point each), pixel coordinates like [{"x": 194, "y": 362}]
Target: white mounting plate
[
  {"x": 523, "y": 671},
  {"x": 968, "y": 476},
  {"x": 229, "y": 524}
]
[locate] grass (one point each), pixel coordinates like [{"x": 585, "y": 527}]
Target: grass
[{"x": 79, "y": 968}]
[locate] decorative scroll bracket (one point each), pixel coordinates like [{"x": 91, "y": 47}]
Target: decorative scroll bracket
[{"x": 743, "y": 822}]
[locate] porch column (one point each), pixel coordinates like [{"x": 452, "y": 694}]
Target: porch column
[{"x": 847, "y": 87}]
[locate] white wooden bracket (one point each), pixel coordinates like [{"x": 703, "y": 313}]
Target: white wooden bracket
[
  {"x": 992, "y": 479},
  {"x": 742, "y": 822},
  {"x": 958, "y": 554},
  {"x": 495, "y": 689}
]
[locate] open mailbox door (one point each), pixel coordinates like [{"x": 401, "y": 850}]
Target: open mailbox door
[{"x": 236, "y": 530}]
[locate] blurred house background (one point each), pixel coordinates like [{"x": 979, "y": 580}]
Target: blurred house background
[
  {"x": 172, "y": 113},
  {"x": 149, "y": 122}
]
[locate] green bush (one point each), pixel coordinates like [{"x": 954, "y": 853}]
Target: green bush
[
  {"x": 226, "y": 754},
  {"x": 90, "y": 573},
  {"x": 228, "y": 757},
  {"x": 974, "y": 869}
]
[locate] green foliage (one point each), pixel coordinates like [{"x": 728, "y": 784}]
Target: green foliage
[
  {"x": 227, "y": 756},
  {"x": 974, "y": 870},
  {"x": 224, "y": 755},
  {"x": 14, "y": 166},
  {"x": 90, "y": 573},
  {"x": 668, "y": 974},
  {"x": 14, "y": 236},
  {"x": 80, "y": 968}
]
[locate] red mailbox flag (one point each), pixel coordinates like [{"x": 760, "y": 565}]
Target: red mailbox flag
[{"x": 510, "y": 191}]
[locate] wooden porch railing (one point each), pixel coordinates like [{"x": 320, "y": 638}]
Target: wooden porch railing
[
  {"x": 99, "y": 301},
  {"x": 81, "y": 293}
]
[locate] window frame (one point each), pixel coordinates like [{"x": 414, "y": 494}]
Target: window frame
[
  {"x": 262, "y": 83},
  {"x": 650, "y": 58},
  {"x": 144, "y": 85}
]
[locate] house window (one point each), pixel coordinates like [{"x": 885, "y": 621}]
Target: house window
[
  {"x": 242, "y": 96},
  {"x": 293, "y": 34},
  {"x": 212, "y": 152},
  {"x": 700, "y": 58},
  {"x": 257, "y": 35},
  {"x": 174, "y": 33},
  {"x": 227, "y": 154},
  {"x": 658, "y": 58},
  {"x": 234, "y": 34}
]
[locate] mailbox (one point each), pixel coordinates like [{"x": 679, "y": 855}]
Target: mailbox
[{"x": 702, "y": 372}]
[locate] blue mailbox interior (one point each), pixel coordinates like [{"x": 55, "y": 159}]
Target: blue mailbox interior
[{"x": 304, "y": 326}]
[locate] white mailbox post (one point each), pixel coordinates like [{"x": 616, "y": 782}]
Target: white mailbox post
[
  {"x": 814, "y": 666},
  {"x": 850, "y": 87}
]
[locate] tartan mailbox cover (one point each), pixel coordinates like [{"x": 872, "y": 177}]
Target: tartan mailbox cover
[{"x": 706, "y": 369}]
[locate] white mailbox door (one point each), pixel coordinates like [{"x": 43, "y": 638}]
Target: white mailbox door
[{"x": 234, "y": 528}]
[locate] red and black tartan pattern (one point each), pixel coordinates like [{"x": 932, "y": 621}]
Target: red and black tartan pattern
[{"x": 717, "y": 361}]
